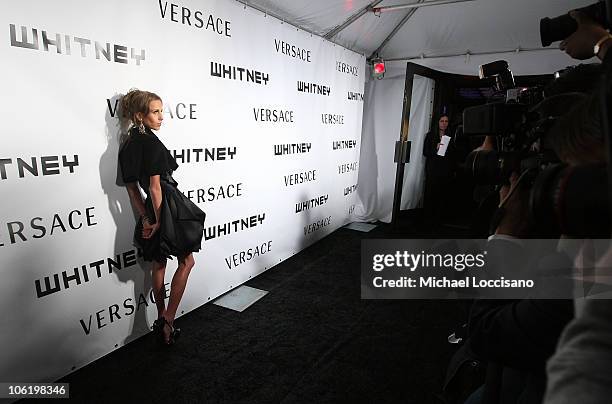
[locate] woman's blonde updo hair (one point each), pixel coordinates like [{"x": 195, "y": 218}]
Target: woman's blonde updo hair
[{"x": 137, "y": 101}]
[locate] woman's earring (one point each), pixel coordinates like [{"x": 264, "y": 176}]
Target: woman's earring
[{"x": 141, "y": 128}]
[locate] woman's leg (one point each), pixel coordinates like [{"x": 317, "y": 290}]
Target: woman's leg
[
  {"x": 157, "y": 275},
  {"x": 179, "y": 281}
]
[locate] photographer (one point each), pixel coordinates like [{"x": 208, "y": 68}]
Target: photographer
[
  {"x": 580, "y": 369},
  {"x": 581, "y": 44},
  {"x": 517, "y": 338},
  {"x": 514, "y": 337}
]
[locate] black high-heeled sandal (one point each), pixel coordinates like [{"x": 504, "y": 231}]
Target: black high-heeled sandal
[
  {"x": 158, "y": 328},
  {"x": 175, "y": 332}
]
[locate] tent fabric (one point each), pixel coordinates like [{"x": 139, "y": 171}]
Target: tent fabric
[
  {"x": 421, "y": 110},
  {"x": 458, "y": 28},
  {"x": 316, "y": 16},
  {"x": 367, "y": 33},
  {"x": 383, "y": 99},
  {"x": 478, "y": 26}
]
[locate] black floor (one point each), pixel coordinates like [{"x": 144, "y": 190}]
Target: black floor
[{"x": 310, "y": 340}]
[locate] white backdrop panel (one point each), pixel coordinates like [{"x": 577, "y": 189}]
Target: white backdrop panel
[{"x": 72, "y": 221}]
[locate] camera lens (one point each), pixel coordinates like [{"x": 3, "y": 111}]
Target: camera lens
[
  {"x": 556, "y": 29},
  {"x": 559, "y": 28}
]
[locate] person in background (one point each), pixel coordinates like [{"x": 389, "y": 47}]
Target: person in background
[{"x": 439, "y": 171}]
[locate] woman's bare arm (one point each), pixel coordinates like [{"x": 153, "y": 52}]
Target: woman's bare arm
[
  {"x": 136, "y": 198},
  {"x": 156, "y": 195}
]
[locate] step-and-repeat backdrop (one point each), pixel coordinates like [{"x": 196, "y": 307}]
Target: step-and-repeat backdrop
[{"x": 263, "y": 119}]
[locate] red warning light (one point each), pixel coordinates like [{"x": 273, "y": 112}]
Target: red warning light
[{"x": 378, "y": 68}]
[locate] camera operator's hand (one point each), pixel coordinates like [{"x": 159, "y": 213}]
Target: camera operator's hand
[
  {"x": 580, "y": 44},
  {"x": 487, "y": 144},
  {"x": 514, "y": 220}
]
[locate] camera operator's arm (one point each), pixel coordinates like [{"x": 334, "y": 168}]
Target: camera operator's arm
[
  {"x": 487, "y": 144},
  {"x": 514, "y": 208},
  {"x": 580, "y": 45},
  {"x": 521, "y": 334}
]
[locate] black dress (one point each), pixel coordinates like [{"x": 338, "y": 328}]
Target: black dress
[
  {"x": 181, "y": 221},
  {"x": 439, "y": 171}
]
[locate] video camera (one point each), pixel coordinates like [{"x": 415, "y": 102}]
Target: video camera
[
  {"x": 559, "y": 28},
  {"x": 513, "y": 119}
]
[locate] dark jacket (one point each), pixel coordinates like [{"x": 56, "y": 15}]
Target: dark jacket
[
  {"x": 516, "y": 338},
  {"x": 437, "y": 166},
  {"x": 181, "y": 221}
]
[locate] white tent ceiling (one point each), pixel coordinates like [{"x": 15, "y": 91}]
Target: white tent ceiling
[{"x": 433, "y": 34}]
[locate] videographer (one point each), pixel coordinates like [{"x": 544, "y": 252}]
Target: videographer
[
  {"x": 517, "y": 338},
  {"x": 579, "y": 371},
  {"x": 514, "y": 337},
  {"x": 590, "y": 39}
]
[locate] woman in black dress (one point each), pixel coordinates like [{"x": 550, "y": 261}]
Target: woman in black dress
[
  {"x": 169, "y": 224},
  {"x": 439, "y": 172}
]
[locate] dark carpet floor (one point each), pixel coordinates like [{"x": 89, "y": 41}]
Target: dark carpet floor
[{"x": 310, "y": 340}]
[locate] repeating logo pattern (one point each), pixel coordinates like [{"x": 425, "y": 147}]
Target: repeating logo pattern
[{"x": 264, "y": 124}]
